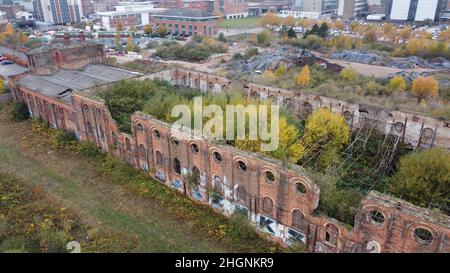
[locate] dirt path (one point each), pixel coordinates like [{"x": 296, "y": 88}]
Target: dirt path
[{"x": 75, "y": 184}]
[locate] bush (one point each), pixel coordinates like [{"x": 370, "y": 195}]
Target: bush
[
  {"x": 348, "y": 74},
  {"x": 222, "y": 38},
  {"x": 424, "y": 177},
  {"x": 250, "y": 52},
  {"x": 19, "y": 111},
  {"x": 263, "y": 38},
  {"x": 312, "y": 42},
  {"x": 197, "y": 50}
]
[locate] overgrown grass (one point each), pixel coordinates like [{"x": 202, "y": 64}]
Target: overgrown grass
[
  {"x": 203, "y": 219},
  {"x": 31, "y": 222}
]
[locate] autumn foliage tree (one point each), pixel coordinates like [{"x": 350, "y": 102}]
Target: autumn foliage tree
[
  {"x": 425, "y": 87},
  {"x": 270, "y": 19},
  {"x": 289, "y": 21},
  {"x": 304, "y": 76},
  {"x": 2, "y": 86},
  {"x": 326, "y": 133},
  {"x": 348, "y": 74},
  {"x": 423, "y": 177},
  {"x": 148, "y": 29},
  {"x": 398, "y": 83},
  {"x": 130, "y": 43}
]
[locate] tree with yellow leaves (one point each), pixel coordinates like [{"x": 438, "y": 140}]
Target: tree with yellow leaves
[
  {"x": 339, "y": 25},
  {"x": 304, "y": 22},
  {"x": 130, "y": 43},
  {"x": 398, "y": 83},
  {"x": 148, "y": 29},
  {"x": 162, "y": 30},
  {"x": 348, "y": 74},
  {"x": 371, "y": 35},
  {"x": 405, "y": 33},
  {"x": 289, "y": 146},
  {"x": 356, "y": 27},
  {"x": 270, "y": 19},
  {"x": 304, "y": 76},
  {"x": 389, "y": 32},
  {"x": 444, "y": 36},
  {"x": 9, "y": 29},
  {"x": 326, "y": 133},
  {"x": 268, "y": 76},
  {"x": 2, "y": 86},
  {"x": 290, "y": 21},
  {"x": 281, "y": 70},
  {"x": 22, "y": 38},
  {"x": 425, "y": 87}
]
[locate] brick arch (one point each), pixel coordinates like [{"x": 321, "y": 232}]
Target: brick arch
[
  {"x": 267, "y": 205},
  {"x": 238, "y": 158},
  {"x": 213, "y": 150},
  {"x": 303, "y": 180},
  {"x": 295, "y": 221},
  {"x": 367, "y": 209},
  {"x": 331, "y": 233},
  {"x": 264, "y": 169},
  {"x": 409, "y": 233},
  {"x": 142, "y": 151}
]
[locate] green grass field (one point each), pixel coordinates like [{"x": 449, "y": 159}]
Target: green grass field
[{"x": 248, "y": 22}]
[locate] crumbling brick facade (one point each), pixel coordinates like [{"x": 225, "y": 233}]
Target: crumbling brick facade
[
  {"x": 279, "y": 199},
  {"x": 44, "y": 61}
]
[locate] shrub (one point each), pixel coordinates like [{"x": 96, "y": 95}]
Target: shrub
[
  {"x": 348, "y": 74},
  {"x": 222, "y": 38},
  {"x": 424, "y": 87},
  {"x": 398, "y": 83},
  {"x": 325, "y": 135},
  {"x": 263, "y": 38},
  {"x": 19, "y": 111},
  {"x": 423, "y": 177},
  {"x": 250, "y": 52}
]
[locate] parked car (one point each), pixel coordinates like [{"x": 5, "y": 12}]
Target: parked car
[{"x": 6, "y": 62}]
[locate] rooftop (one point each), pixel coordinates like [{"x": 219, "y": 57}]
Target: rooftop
[
  {"x": 57, "y": 45},
  {"x": 11, "y": 70},
  {"x": 186, "y": 12},
  {"x": 64, "y": 82}
]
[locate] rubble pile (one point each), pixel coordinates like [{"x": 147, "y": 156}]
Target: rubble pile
[
  {"x": 272, "y": 59},
  {"x": 357, "y": 57},
  {"x": 410, "y": 62}
]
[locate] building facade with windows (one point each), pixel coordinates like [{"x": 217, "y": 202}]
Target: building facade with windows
[
  {"x": 58, "y": 11},
  {"x": 187, "y": 21},
  {"x": 313, "y": 9},
  {"x": 128, "y": 15},
  {"x": 415, "y": 10}
]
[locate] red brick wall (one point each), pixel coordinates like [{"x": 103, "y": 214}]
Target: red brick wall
[
  {"x": 90, "y": 118},
  {"x": 200, "y": 26}
]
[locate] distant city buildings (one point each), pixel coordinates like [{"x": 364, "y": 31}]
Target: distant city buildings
[
  {"x": 58, "y": 11},
  {"x": 128, "y": 15},
  {"x": 414, "y": 10},
  {"x": 187, "y": 21},
  {"x": 352, "y": 8},
  {"x": 313, "y": 9}
]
